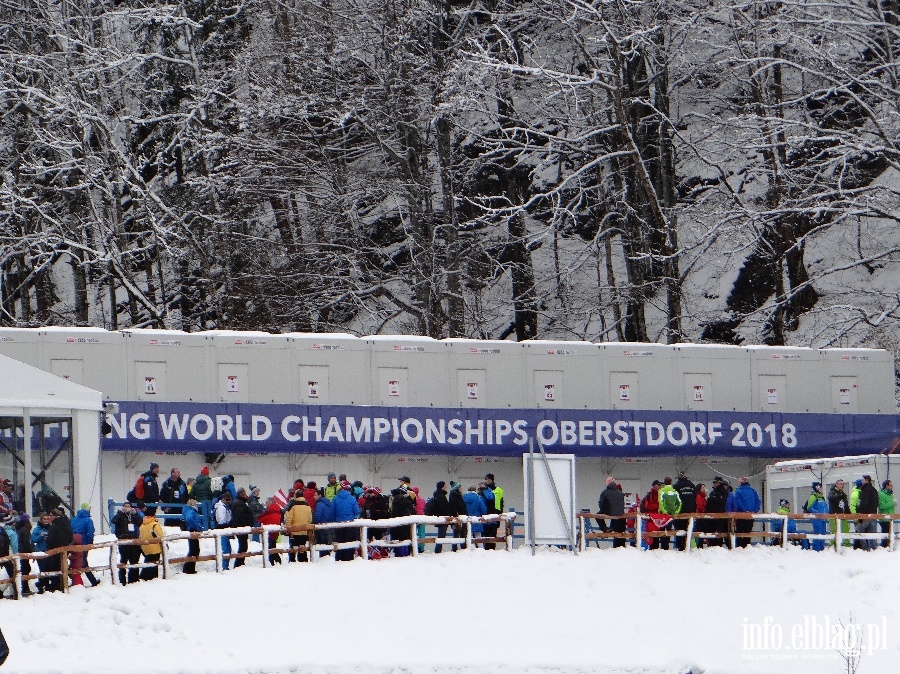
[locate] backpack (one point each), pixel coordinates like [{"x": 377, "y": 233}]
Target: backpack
[
  {"x": 139, "y": 488},
  {"x": 669, "y": 502},
  {"x": 429, "y": 507},
  {"x": 217, "y": 486}
]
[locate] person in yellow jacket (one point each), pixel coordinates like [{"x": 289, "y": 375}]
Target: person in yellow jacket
[
  {"x": 150, "y": 530},
  {"x": 298, "y": 513}
]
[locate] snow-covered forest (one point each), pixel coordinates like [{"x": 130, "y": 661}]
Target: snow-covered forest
[{"x": 662, "y": 170}]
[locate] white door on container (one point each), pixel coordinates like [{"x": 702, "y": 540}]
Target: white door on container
[
  {"x": 470, "y": 388},
  {"x": 392, "y": 387},
  {"x": 150, "y": 380},
  {"x": 66, "y": 368},
  {"x": 623, "y": 390},
  {"x": 843, "y": 395},
  {"x": 772, "y": 393},
  {"x": 314, "y": 384},
  {"x": 547, "y": 389},
  {"x": 233, "y": 382}
]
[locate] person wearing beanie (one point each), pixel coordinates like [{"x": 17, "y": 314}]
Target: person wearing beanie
[
  {"x": 868, "y": 505},
  {"x": 838, "y": 504},
  {"x": 346, "y": 509},
  {"x": 457, "y": 509},
  {"x": 332, "y": 487},
  {"x": 59, "y": 536},
  {"x": 151, "y": 530},
  {"x": 687, "y": 492},
  {"x": 403, "y": 504},
  {"x": 203, "y": 486},
  {"x": 272, "y": 516},
  {"x": 125, "y": 525},
  {"x": 746, "y": 500},
  {"x": 440, "y": 507},
  {"x": 298, "y": 514},
  {"x": 817, "y": 504},
  {"x": 493, "y": 501},
  {"x": 83, "y": 525}
]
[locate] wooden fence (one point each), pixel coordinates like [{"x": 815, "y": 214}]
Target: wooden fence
[
  {"x": 775, "y": 529},
  {"x": 360, "y": 545}
]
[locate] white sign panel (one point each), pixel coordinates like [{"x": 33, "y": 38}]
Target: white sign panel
[
  {"x": 698, "y": 393},
  {"x": 549, "y": 392},
  {"x": 232, "y": 386},
  {"x": 472, "y": 390},
  {"x": 150, "y": 385},
  {"x": 394, "y": 388},
  {"x": 624, "y": 392},
  {"x": 550, "y": 527},
  {"x": 312, "y": 389},
  {"x": 845, "y": 396},
  {"x": 772, "y": 396}
]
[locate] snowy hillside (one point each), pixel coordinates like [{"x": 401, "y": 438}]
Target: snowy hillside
[{"x": 603, "y": 612}]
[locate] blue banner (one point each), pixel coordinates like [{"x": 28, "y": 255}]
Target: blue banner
[{"x": 258, "y": 428}]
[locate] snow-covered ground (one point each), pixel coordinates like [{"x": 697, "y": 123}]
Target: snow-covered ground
[{"x": 476, "y": 612}]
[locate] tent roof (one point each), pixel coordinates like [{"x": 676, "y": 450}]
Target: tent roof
[{"x": 26, "y": 386}]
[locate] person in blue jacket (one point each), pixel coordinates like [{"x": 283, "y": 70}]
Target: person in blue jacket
[
  {"x": 818, "y": 504},
  {"x": 475, "y": 507},
  {"x": 323, "y": 514},
  {"x": 346, "y": 509},
  {"x": 84, "y": 525},
  {"x": 192, "y": 522},
  {"x": 39, "y": 540},
  {"x": 746, "y": 500}
]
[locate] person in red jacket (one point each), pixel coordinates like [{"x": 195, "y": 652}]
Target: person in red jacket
[
  {"x": 272, "y": 516},
  {"x": 701, "y": 526},
  {"x": 656, "y": 520},
  {"x": 311, "y": 494}
]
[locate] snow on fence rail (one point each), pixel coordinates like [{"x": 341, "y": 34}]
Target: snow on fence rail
[
  {"x": 360, "y": 545},
  {"x": 777, "y": 528}
]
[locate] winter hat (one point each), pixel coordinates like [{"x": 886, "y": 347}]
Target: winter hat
[
  {"x": 489, "y": 476},
  {"x": 440, "y": 484},
  {"x": 784, "y": 503},
  {"x": 345, "y": 485},
  {"x": 415, "y": 490},
  {"x": 717, "y": 479},
  {"x": 655, "y": 482},
  {"x": 375, "y": 490},
  {"x": 330, "y": 475},
  {"x": 858, "y": 483},
  {"x": 154, "y": 465},
  {"x": 85, "y": 506},
  {"x": 404, "y": 479},
  {"x": 454, "y": 485},
  {"x": 816, "y": 485},
  {"x": 204, "y": 470},
  {"x": 24, "y": 517}
]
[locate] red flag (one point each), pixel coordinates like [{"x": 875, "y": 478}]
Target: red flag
[{"x": 280, "y": 498}]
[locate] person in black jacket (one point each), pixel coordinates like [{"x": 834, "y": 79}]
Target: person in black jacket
[
  {"x": 612, "y": 502},
  {"x": 126, "y": 526},
  {"x": 174, "y": 490},
  {"x": 403, "y": 504},
  {"x": 717, "y": 502},
  {"x": 60, "y": 536},
  {"x": 457, "y": 507},
  {"x": 440, "y": 507},
  {"x": 23, "y": 531},
  {"x": 868, "y": 505},
  {"x": 687, "y": 492},
  {"x": 241, "y": 516}
]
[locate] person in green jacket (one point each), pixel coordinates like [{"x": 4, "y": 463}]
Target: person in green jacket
[
  {"x": 886, "y": 507},
  {"x": 669, "y": 504},
  {"x": 854, "y": 502},
  {"x": 202, "y": 486}
]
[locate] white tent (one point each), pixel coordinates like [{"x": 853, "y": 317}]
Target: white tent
[{"x": 33, "y": 398}]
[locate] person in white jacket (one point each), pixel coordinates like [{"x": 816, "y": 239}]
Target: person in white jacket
[{"x": 222, "y": 512}]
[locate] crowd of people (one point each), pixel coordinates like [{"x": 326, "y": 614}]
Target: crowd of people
[
  {"x": 668, "y": 498},
  {"x": 306, "y": 504}
]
